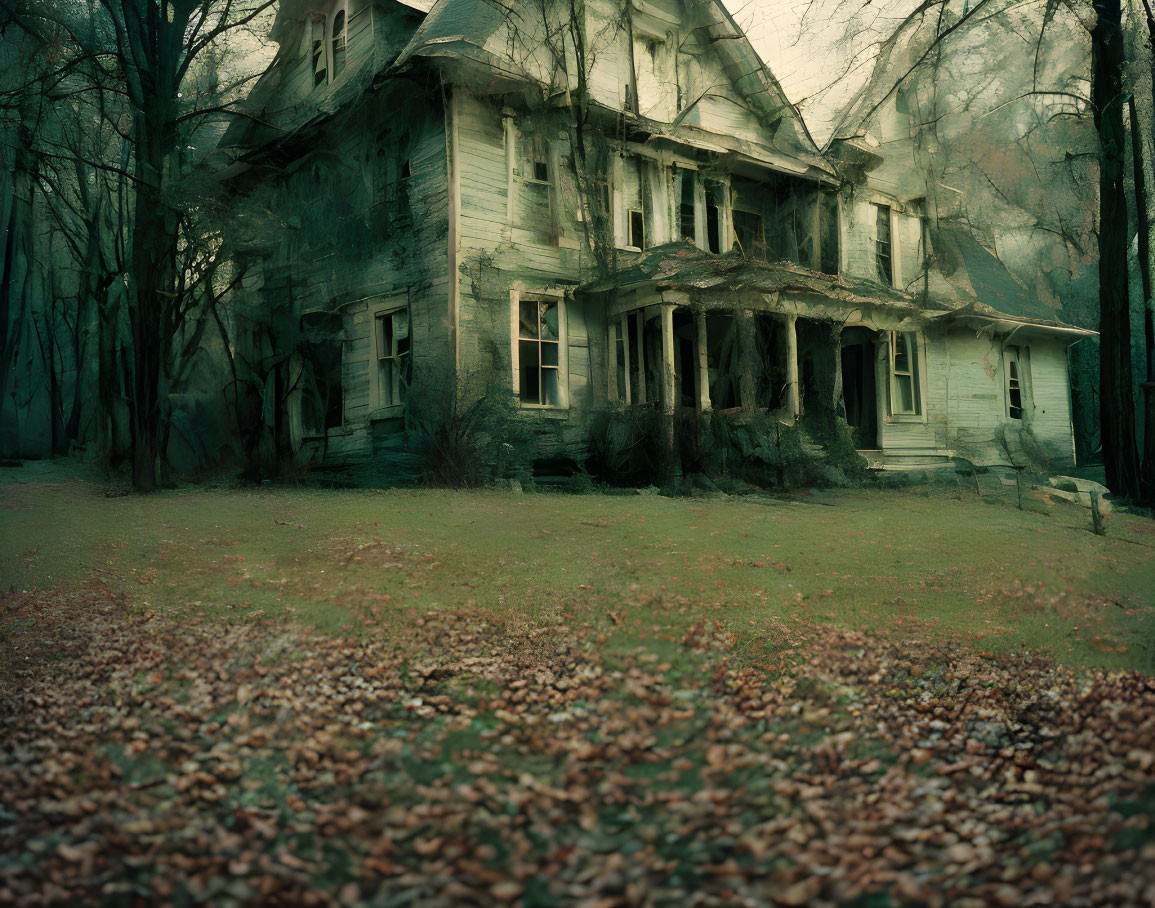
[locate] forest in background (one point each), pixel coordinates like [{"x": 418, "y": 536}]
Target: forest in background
[{"x": 1032, "y": 121}]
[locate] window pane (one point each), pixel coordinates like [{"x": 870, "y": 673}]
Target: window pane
[
  {"x": 528, "y": 315},
  {"x": 548, "y": 321},
  {"x": 900, "y": 351},
  {"x": 882, "y": 246},
  {"x": 529, "y": 370},
  {"x": 401, "y": 325},
  {"x": 904, "y": 393},
  {"x": 637, "y": 230},
  {"x": 550, "y": 394},
  {"x": 549, "y": 354}
]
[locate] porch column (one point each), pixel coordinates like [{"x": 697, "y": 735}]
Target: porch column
[
  {"x": 668, "y": 382},
  {"x": 838, "y": 405},
  {"x": 794, "y": 405},
  {"x": 612, "y": 360},
  {"x": 639, "y": 317},
  {"x": 670, "y": 468},
  {"x": 703, "y": 363}
]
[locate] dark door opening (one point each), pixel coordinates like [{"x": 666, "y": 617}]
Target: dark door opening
[{"x": 859, "y": 392}]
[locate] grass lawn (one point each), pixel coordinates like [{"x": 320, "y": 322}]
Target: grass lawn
[{"x": 419, "y": 697}]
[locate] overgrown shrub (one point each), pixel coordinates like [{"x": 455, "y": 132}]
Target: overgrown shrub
[{"x": 470, "y": 436}]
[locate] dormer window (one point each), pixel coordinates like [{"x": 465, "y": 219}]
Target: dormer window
[
  {"x": 329, "y": 44},
  {"x": 339, "y": 42},
  {"x": 317, "y": 50}
]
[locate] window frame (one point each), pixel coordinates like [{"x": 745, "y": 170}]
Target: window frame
[
  {"x": 1019, "y": 357},
  {"x": 327, "y": 74},
  {"x": 399, "y": 362},
  {"x": 516, "y": 297},
  {"x": 885, "y": 213},
  {"x": 915, "y": 372}
]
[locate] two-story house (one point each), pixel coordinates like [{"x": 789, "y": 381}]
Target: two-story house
[{"x": 596, "y": 206}]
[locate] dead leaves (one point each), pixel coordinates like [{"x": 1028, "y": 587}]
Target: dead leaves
[{"x": 465, "y": 761}]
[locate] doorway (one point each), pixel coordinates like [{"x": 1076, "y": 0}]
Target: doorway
[{"x": 859, "y": 386}]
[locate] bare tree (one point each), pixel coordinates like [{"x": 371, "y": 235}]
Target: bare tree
[{"x": 158, "y": 56}]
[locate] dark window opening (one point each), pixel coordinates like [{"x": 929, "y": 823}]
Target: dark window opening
[
  {"x": 686, "y": 366},
  {"x": 406, "y": 170},
  {"x": 882, "y": 246},
  {"x": 713, "y": 229},
  {"x": 749, "y": 234},
  {"x": 723, "y": 360},
  {"x": 541, "y": 171},
  {"x": 637, "y": 229},
  {"x": 686, "y": 207},
  {"x": 828, "y": 233}
]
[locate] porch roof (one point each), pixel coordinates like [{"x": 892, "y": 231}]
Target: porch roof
[{"x": 681, "y": 266}]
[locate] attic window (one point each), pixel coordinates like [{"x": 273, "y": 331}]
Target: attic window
[
  {"x": 340, "y": 39},
  {"x": 317, "y": 45}
]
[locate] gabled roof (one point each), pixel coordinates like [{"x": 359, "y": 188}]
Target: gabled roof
[{"x": 479, "y": 34}]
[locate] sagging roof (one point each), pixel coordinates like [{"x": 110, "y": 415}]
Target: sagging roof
[
  {"x": 479, "y": 34},
  {"x": 683, "y": 266},
  {"x": 968, "y": 265}
]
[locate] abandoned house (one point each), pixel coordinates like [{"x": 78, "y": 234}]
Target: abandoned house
[{"x": 604, "y": 207}]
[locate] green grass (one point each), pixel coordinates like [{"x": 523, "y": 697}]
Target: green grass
[{"x": 640, "y": 568}]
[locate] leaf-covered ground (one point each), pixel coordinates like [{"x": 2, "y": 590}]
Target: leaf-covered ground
[
  {"x": 469, "y": 761},
  {"x": 703, "y": 713}
]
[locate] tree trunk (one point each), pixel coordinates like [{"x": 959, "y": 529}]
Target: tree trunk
[
  {"x": 1143, "y": 220},
  {"x": 1117, "y": 409},
  {"x": 150, "y": 298}
]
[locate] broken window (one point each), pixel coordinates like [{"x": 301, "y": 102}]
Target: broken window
[
  {"x": 883, "y": 253},
  {"x": 339, "y": 41},
  {"x": 391, "y": 341},
  {"x": 904, "y": 380},
  {"x": 687, "y": 187},
  {"x": 828, "y": 232},
  {"x": 714, "y": 217},
  {"x": 317, "y": 50},
  {"x": 1017, "y": 361},
  {"x": 538, "y": 350},
  {"x": 322, "y": 398},
  {"x": 633, "y": 191},
  {"x": 749, "y": 235}
]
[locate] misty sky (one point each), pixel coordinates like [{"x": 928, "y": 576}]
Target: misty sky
[{"x": 820, "y": 50}]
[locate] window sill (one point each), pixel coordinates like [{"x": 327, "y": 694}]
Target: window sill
[{"x": 907, "y": 419}]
